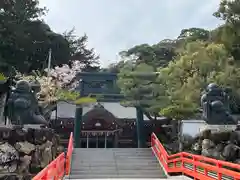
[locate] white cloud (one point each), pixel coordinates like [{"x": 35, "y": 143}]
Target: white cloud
[{"x": 113, "y": 26}]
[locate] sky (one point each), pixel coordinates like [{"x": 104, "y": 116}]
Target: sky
[{"x": 116, "y": 25}]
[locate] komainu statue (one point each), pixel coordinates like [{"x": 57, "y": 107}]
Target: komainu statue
[
  {"x": 215, "y": 104},
  {"x": 23, "y": 106}
]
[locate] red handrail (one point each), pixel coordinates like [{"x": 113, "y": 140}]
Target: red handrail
[
  {"x": 69, "y": 154},
  {"x": 198, "y": 167},
  {"x": 56, "y": 169}
]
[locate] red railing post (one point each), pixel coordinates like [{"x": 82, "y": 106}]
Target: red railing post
[
  {"x": 205, "y": 172},
  {"x": 194, "y": 165},
  {"x": 56, "y": 166},
  {"x": 219, "y": 174},
  {"x": 182, "y": 163},
  {"x": 44, "y": 177}
]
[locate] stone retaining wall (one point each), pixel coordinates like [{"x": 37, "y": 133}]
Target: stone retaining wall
[{"x": 24, "y": 151}]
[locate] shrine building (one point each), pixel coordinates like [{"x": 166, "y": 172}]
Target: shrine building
[{"x": 105, "y": 124}]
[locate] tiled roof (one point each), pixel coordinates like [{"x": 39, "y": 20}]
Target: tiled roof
[{"x": 65, "y": 110}]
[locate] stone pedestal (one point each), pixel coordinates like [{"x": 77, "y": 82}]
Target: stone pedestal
[
  {"x": 194, "y": 127},
  {"x": 218, "y": 128}
]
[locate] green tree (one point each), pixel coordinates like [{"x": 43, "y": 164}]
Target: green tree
[
  {"x": 79, "y": 51},
  {"x": 194, "y": 34},
  {"x": 186, "y": 77},
  {"x": 26, "y": 39},
  {"x": 156, "y": 55},
  {"x": 115, "y": 67},
  {"x": 229, "y": 34},
  {"x": 138, "y": 84},
  {"x": 185, "y": 66}
]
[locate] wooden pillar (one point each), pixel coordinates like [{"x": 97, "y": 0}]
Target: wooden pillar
[
  {"x": 77, "y": 127},
  {"x": 105, "y": 140},
  {"x": 140, "y": 128},
  {"x": 96, "y": 141},
  {"x": 116, "y": 140},
  {"x": 87, "y": 139}
]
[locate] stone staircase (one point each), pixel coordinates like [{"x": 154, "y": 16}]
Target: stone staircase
[{"x": 114, "y": 163}]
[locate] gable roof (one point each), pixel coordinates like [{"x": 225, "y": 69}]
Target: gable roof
[
  {"x": 65, "y": 110},
  {"x": 117, "y": 110},
  {"x": 100, "y": 113}
]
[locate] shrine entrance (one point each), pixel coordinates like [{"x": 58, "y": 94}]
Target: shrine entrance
[
  {"x": 103, "y": 87},
  {"x": 100, "y": 128},
  {"x": 99, "y": 139}
]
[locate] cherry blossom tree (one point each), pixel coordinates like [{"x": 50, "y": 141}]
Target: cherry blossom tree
[
  {"x": 58, "y": 84},
  {"x": 65, "y": 75}
]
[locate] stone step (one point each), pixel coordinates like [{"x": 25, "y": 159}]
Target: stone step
[
  {"x": 112, "y": 156},
  {"x": 134, "y": 156},
  {"x": 93, "y": 167},
  {"x": 90, "y": 176},
  {"x": 136, "y": 159},
  {"x": 84, "y": 150},
  {"x": 93, "y": 172},
  {"x": 95, "y": 159},
  {"x": 115, "y": 163},
  {"x": 111, "y": 149},
  {"x": 143, "y": 161},
  {"x": 119, "y": 171},
  {"x": 117, "y": 160},
  {"x": 101, "y": 156},
  {"x": 113, "y": 168},
  {"x": 79, "y": 165}
]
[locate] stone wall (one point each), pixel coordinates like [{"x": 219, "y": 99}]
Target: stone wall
[
  {"x": 221, "y": 145},
  {"x": 25, "y": 150}
]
